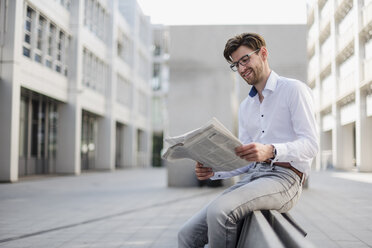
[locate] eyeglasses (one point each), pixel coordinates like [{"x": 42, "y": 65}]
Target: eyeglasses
[{"x": 243, "y": 60}]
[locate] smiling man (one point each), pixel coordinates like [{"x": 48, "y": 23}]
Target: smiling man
[{"x": 278, "y": 130}]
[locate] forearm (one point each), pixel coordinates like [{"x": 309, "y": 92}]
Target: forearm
[{"x": 229, "y": 174}]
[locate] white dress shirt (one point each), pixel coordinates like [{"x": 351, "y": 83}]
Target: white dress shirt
[{"x": 285, "y": 119}]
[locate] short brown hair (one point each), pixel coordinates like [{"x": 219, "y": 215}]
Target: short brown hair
[{"x": 250, "y": 40}]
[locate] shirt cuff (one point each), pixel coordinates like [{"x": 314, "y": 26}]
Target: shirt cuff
[
  {"x": 217, "y": 175},
  {"x": 281, "y": 152}
]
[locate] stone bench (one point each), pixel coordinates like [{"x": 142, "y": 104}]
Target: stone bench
[{"x": 268, "y": 228}]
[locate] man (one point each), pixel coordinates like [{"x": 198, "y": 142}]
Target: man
[{"x": 278, "y": 130}]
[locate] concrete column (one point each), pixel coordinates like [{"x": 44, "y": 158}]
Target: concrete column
[
  {"x": 10, "y": 54},
  {"x": 364, "y": 142},
  {"x": 130, "y": 146},
  {"x": 345, "y": 147},
  {"x": 106, "y": 143},
  {"x": 336, "y": 137},
  {"x": 318, "y": 159},
  {"x": 69, "y": 121},
  {"x": 362, "y": 132},
  {"x": 106, "y": 125}
]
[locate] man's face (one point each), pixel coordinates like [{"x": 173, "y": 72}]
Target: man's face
[{"x": 251, "y": 72}]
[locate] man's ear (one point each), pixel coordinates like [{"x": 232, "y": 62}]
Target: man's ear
[{"x": 264, "y": 53}]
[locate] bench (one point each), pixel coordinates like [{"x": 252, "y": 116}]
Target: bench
[{"x": 269, "y": 228}]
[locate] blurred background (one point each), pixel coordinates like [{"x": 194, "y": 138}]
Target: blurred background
[{"x": 92, "y": 85}]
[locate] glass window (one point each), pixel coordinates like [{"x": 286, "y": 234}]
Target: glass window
[
  {"x": 51, "y": 35},
  {"x": 40, "y": 32},
  {"x": 48, "y": 63},
  {"x": 23, "y": 124},
  {"x": 37, "y": 58},
  {"x": 27, "y": 38},
  {"x": 26, "y": 52}
]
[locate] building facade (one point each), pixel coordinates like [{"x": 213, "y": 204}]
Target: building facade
[
  {"x": 339, "y": 49},
  {"x": 160, "y": 87},
  {"x": 75, "y": 90}
]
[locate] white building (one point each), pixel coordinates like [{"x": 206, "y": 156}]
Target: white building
[
  {"x": 75, "y": 86},
  {"x": 160, "y": 86},
  {"x": 339, "y": 50}
]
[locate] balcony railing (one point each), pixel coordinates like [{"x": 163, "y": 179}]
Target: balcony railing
[
  {"x": 367, "y": 69},
  {"x": 367, "y": 14},
  {"x": 325, "y": 60},
  {"x": 327, "y": 97},
  {"x": 345, "y": 38},
  {"x": 346, "y": 84},
  {"x": 311, "y": 74},
  {"x": 324, "y": 22}
]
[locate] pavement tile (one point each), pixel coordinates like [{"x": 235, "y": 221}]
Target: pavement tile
[{"x": 135, "y": 208}]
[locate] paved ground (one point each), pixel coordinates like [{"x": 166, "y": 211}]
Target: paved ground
[{"x": 134, "y": 208}]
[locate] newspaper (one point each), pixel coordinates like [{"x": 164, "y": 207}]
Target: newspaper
[{"x": 213, "y": 145}]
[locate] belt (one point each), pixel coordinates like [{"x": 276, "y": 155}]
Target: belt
[{"x": 289, "y": 166}]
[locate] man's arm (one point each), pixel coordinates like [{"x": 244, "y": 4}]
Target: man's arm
[{"x": 306, "y": 146}]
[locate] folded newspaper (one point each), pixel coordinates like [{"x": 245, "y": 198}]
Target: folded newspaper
[{"x": 213, "y": 145}]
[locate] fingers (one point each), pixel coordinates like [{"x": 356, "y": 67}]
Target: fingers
[
  {"x": 203, "y": 173},
  {"x": 249, "y": 151}
]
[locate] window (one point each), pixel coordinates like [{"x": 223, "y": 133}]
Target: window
[
  {"x": 51, "y": 35},
  {"x": 95, "y": 18},
  {"x": 26, "y": 52},
  {"x": 44, "y": 41},
  {"x": 94, "y": 72},
  {"x": 27, "y": 32},
  {"x": 40, "y": 32},
  {"x": 124, "y": 91},
  {"x": 37, "y": 58}
]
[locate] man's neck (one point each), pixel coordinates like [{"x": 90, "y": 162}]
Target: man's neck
[{"x": 262, "y": 83}]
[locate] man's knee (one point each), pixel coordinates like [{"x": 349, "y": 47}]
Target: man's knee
[
  {"x": 225, "y": 215},
  {"x": 217, "y": 213}
]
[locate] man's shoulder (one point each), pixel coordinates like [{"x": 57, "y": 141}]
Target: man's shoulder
[{"x": 291, "y": 83}]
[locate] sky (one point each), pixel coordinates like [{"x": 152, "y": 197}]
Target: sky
[{"x": 218, "y": 12}]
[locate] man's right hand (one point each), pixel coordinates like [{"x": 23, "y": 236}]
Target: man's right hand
[{"x": 203, "y": 173}]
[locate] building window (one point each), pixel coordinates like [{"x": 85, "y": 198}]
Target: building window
[
  {"x": 65, "y": 3},
  {"x": 37, "y": 58},
  {"x": 124, "y": 91},
  {"x": 89, "y": 131},
  {"x": 26, "y": 52},
  {"x": 125, "y": 48},
  {"x": 27, "y": 32},
  {"x": 95, "y": 72},
  {"x": 95, "y": 18},
  {"x": 46, "y": 43}
]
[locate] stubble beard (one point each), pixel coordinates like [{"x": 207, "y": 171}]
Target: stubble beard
[{"x": 254, "y": 78}]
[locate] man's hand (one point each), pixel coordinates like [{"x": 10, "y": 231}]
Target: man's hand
[
  {"x": 255, "y": 152},
  {"x": 203, "y": 173}
]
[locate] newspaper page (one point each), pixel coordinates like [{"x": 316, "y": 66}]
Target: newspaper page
[{"x": 213, "y": 145}]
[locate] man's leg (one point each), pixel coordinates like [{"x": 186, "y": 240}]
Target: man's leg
[
  {"x": 194, "y": 233},
  {"x": 267, "y": 188}
]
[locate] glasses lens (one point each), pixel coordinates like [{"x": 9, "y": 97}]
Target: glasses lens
[{"x": 234, "y": 67}]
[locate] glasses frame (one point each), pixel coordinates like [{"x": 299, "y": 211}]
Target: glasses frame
[{"x": 235, "y": 66}]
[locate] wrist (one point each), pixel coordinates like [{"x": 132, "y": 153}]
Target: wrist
[{"x": 272, "y": 152}]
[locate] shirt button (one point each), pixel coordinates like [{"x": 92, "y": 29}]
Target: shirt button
[
  {"x": 262, "y": 115},
  {"x": 263, "y": 131}
]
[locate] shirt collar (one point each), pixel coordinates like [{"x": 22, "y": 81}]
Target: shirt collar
[{"x": 270, "y": 84}]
